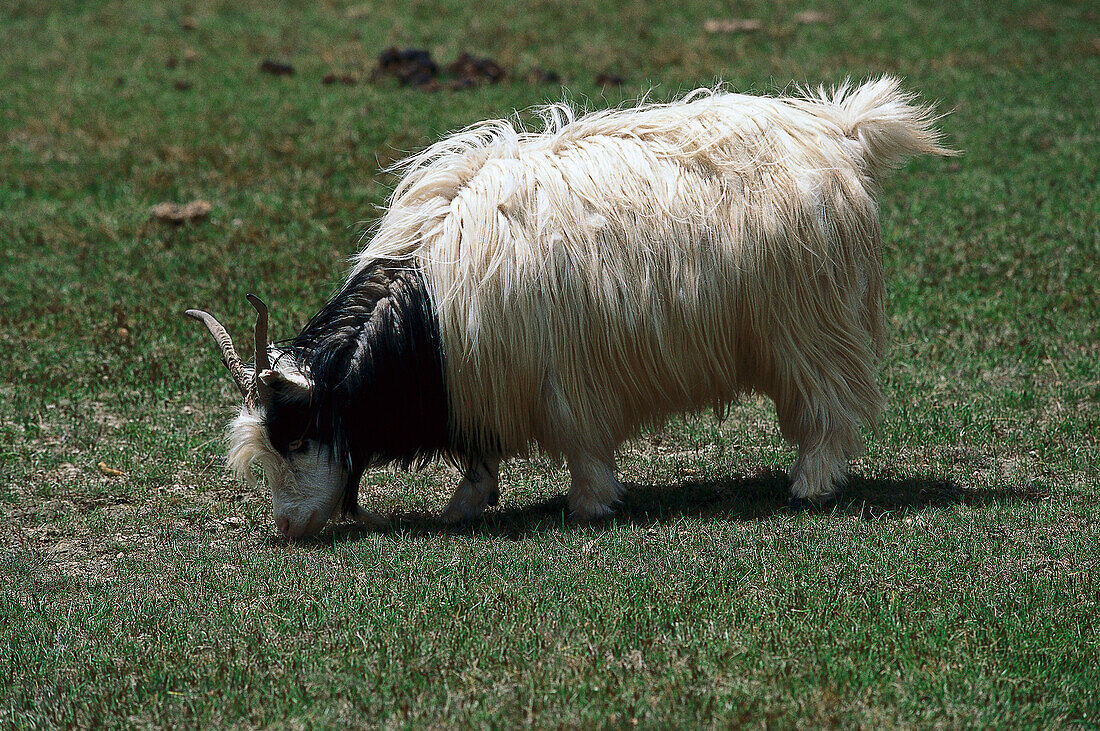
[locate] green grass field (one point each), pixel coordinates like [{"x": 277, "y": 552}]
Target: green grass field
[{"x": 955, "y": 583}]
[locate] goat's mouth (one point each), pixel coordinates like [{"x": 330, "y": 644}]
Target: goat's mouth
[{"x": 311, "y": 526}]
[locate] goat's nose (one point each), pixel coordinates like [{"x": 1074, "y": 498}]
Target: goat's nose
[{"x": 283, "y": 524}]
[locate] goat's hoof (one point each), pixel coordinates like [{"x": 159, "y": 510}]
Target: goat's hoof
[
  {"x": 371, "y": 521},
  {"x": 453, "y": 517},
  {"x": 801, "y": 504},
  {"x": 591, "y": 513},
  {"x": 460, "y": 513}
]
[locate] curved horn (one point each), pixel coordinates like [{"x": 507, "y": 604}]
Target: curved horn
[
  {"x": 225, "y": 343},
  {"x": 262, "y": 362}
]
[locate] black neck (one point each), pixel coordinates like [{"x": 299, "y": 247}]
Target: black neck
[{"x": 375, "y": 358}]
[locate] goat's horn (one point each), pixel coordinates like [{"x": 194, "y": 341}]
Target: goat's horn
[
  {"x": 262, "y": 362},
  {"x": 225, "y": 343}
]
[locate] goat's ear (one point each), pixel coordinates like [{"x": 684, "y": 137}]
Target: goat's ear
[{"x": 277, "y": 381}]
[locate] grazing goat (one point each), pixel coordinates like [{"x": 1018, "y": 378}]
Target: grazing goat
[{"x": 567, "y": 287}]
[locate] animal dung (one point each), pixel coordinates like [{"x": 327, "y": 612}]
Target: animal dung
[
  {"x": 539, "y": 75},
  {"x": 475, "y": 70},
  {"x": 345, "y": 79},
  {"x": 411, "y": 66},
  {"x": 415, "y": 67},
  {"x": 276, "y": 68}
]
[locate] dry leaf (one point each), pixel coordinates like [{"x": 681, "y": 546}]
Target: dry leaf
[
  {"x": 808, "y": 17},
  {"x": 175, "y": 213},
  {"x": 732, "y": 25},
  {"x": 109, "y": 471}
]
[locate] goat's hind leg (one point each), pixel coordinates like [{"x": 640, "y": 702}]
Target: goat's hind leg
[
  {"x": 479, "y": 489},
  {"x": 827, "y": 433},
  {"x": 819, "y": 470}
]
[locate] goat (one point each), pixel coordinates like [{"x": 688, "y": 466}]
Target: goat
[{"x": 568, "y": 287}]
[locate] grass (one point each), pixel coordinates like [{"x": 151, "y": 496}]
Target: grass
[{"x": 954, "y": 584}]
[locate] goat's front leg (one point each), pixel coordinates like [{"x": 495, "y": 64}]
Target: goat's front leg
[
  {"x": 479, "y": 489},
  {"x": 594, "y": 489},
  {"x": 370, "y": 521}
]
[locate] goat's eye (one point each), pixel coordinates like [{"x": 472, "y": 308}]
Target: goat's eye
[{"x": 295, "y": 445}]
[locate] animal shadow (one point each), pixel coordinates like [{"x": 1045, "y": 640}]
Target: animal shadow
[{"x": 739, "y": 498}]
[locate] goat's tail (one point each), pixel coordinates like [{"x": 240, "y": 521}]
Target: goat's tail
[{"x": 887, "y": 122}]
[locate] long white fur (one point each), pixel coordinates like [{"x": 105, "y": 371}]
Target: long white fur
[{"x": 619, "y": 267}]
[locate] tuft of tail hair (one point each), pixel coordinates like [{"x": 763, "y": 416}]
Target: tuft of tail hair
[{"x": 889, "y": 124}]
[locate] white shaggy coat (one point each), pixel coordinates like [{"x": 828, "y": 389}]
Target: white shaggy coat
[{"x": 627, "y": 265}]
